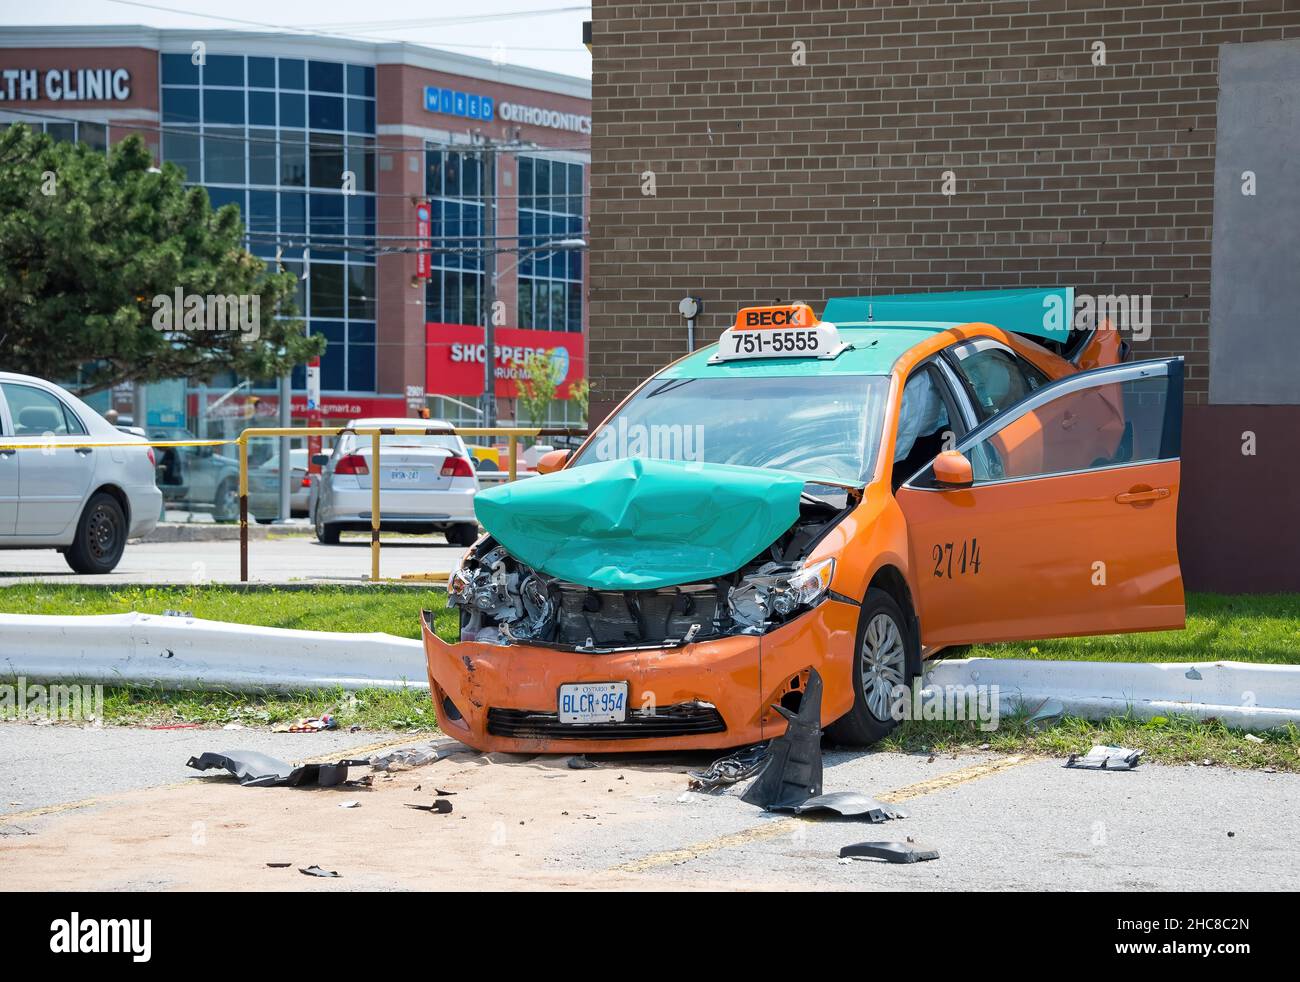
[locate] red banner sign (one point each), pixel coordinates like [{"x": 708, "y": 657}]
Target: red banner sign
[
  {"x": 454, "y": 358},
  {"x": 423, "y": 261}
]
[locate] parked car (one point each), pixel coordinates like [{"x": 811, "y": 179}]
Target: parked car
[
  {"x": 83, "y": 501},
  {"x": 197, "y": 478},
  {"x": 264, "y": 486},
  {"x": 855, "y": 494},
  {"x": 427, "y": 484}
]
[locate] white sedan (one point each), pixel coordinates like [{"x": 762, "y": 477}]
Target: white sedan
[
  {"x": 83, "y": 501},
  {"x": 426, "y": 483}
]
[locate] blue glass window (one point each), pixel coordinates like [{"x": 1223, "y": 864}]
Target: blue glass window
[
  {"x": 293, "y": 110},
  {"x": 325, "y": 76},
  {"x": 334, "y": 361},
  {"x": 361, "y": 80},
  {"x": 325, "y": 112},
  {"x": 261, "y": 108},
  {"x": 361, "y": 115},
  {"x": 224, "y": 70},
  {"x": 361, "y": 367},
  {"x": 261, "y": 72},
  {"x": 179, "y": 69},
  {"x": 180, "y": 105},
  {"x": 221, "y": 106},
  {"x": 293, "y": 73}
]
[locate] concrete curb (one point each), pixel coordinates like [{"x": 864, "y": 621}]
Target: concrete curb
[
  {"x": 202, "y": 532},
  {"x": 1241, "y": 694},
  {"x": 189, "y": 653}
]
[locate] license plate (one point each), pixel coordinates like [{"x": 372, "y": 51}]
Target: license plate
[
  {"x": 593, "y": 702},
  {"x": 404, "y": 477}
]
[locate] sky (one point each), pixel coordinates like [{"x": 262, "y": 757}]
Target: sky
[{"x": 545, "y": 34}]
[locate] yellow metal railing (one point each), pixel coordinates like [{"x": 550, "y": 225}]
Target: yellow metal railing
[{"x": 512, "y": 433}]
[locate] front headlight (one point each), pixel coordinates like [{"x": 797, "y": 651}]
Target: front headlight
[{"x": 805, "y": 587}]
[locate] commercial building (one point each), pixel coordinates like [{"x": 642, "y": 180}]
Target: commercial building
[
  {"x": 331, "y": 148},
  {"x": 752, "y": 152}
]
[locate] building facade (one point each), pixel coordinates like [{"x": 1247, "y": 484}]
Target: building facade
[
  {"x": 754, "y": 152},
  {"x": 394, "y": 180}
]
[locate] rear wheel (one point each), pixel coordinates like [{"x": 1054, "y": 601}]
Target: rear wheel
[
  {"x": 326, "y": 534},
  {"x": 100, "y": 537},
  {"x": 225, "y": 507},
  {"x": 880, "y": 665},
  {"x": 463, "y": 534}
]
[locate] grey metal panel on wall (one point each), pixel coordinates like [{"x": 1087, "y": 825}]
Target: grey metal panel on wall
[{"x": 1255, "y": 273}]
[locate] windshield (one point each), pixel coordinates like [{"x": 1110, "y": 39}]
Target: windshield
[{"x": 826, "y": 426}]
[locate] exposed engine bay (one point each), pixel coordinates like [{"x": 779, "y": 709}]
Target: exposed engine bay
[{"x": 503, "y": 601}]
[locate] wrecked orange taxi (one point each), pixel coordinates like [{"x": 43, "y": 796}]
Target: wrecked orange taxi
[{"x": 849, "y": 494}]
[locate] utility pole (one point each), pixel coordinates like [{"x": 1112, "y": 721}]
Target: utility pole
[{"x": 489, "y": 284}]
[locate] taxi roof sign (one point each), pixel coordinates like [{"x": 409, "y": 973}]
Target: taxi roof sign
[
  {"x": 782, "y": 331},
  {"x": 782, "y": 315}
]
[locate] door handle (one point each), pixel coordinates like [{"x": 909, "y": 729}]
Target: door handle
[
  {"x": 85, "y": 450},
  {"x": 7, "y": 452},
  {"x": 1139, "y": 495}
]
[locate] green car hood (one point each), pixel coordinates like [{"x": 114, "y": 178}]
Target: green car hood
[{"x": 637, "y": 524}]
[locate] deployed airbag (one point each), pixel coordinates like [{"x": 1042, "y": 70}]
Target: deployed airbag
[{"x": 637, "y": 524}]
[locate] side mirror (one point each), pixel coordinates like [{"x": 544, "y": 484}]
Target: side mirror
[
  {"x": 320, "y": 459},
  {"x": 552, "y": 461},
  {"x": 953, "y": 470}
]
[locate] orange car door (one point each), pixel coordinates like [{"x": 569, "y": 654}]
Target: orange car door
[{"x": 1069, "y": 524}]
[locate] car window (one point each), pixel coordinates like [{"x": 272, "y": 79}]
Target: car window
[
  {"x": 1101, "y": 426},
  {"x": 924, "y": 425},
  {"x": 997, "y": 377},
  {"x": 36, "y": 412}
]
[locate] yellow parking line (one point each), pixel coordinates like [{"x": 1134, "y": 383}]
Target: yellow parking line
[
  {"x": 9, "y": 819},
  {"x": 779, "y": 827}
]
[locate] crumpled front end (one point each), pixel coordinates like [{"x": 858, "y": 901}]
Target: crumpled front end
[{"x": 693, "y": 664}]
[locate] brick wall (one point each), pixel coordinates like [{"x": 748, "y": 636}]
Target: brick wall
[{"x": 777, "y": 181}]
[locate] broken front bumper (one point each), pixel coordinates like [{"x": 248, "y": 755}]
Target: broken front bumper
[{"x": 706, "y": 695}]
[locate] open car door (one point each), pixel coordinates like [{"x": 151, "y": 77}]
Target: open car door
[{"x": 1057, "y": 516}]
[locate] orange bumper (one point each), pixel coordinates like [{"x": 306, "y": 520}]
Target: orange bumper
[{"x": 708, "y": 695}]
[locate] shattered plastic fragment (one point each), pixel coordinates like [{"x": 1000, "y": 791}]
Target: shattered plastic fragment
[
  {"x": 850, "y": 804},
  {"x": 891, "y": 852},
  {"x": 317, "y": 871},
  {"x": 1106, "y": 759},
  {"x": 256, "y": 770}
]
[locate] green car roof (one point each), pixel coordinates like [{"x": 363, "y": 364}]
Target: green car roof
[{"x": 874, "y": 351}]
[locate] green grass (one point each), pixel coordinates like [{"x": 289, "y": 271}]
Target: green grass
[
  {"x": 392, "y": 609},
  {"x": 1252, "y": 628},
  {"x": 1172, "y": 740},
  {"x": 1238, "y": 628}
]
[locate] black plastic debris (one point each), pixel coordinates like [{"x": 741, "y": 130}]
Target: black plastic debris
[
  {"x": 737, "y": 766},
  {"x": 408, "y": 757},
  {"x": 579, "y": 762},
  {"x": 441, "y": 806},
  {"x": 891, "y": 852},
  {"x": 793, "y": 772},
  {"x": 279, "y": 865},
  {"x": 256, "y": 770},
  {"x": 1106, "y": 759},
  {"x": 317, "y": 871},
  {"x": 849, "y": 804}
]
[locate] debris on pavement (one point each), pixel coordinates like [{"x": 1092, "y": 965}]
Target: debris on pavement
[
  {"x": 317, "y": 871},
  {"x": 407, "y": 757},
  {"x": 440, "y": 806},
  {"x": 891, "y": 852},
  {"x": 258, "y": 770},
  {"x": 1101, "y": 758},
  {"x": 793, "y": 772},
  {"x": 579, "y": 762},
  {"x": 314, "y": 724},
  {"x": 740, "y": 765},
  {"x": 849, "y": 804},
  {"x": 279, "y": 865},
  {"x": 350, "y": 804}
]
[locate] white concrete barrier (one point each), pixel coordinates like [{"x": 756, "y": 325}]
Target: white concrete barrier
[
  {"x": 190, "y": 653},
  {"x": 1241, "y": 694}
]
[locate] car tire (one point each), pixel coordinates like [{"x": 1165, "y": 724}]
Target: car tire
[
  {"x": 881, "y": 660},
  {"x": 462, "y": 534},
  {"x": 225, "y": 507},
  {"x": 326, "y": 534},
  {"x": 100, "y": 537}
]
